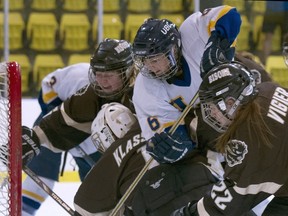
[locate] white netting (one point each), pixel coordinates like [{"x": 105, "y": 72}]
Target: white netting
[{"x": 4, "y": 137}]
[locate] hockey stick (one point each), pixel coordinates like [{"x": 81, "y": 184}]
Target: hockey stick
[
  {"x": 145, "y": 168},
  {"x": 48, "y": 190}
]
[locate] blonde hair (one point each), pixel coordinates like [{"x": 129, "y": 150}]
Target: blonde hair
[{"x": 250, "y": 115}]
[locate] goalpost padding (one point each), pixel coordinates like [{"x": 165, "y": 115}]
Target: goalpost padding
[{"x": 10, "y": 139}]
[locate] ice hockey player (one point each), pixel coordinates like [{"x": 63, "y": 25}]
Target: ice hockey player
[
  {"x": 171, "y": 65},
  {"x": 56, "y": 87},
  {"x": 253, "y": 124},
  {"x": 116, "y": 133},
  {"x": 111, "y": 75},
  {"x": 170, "y": 74},
  {"x": 279, "y": 205}
]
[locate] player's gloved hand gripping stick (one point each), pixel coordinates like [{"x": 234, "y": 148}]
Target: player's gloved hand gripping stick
[
  {"x": 30, "y": 145},
  {"x": 145, "y": 168},
  {"x": 169, "y": 148},
  {"x": 217, "y": 51}
]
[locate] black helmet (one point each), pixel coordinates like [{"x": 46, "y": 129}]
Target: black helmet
[
  {"x": 227, "y": 81},
  {"x": 156, "y": 37},
  {"x": 113, "y": 56}
]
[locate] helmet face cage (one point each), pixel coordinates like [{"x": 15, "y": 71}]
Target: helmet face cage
[
  {"x": 111, "y": 56},
  {"x": 169, "y": 60},
  {"x": 215, "y": 117},
  {"x": 222, "y": 91},
  {"x": 102, "y": 139},
  {"x": 123, "y": 82},
  {"x": 155, "y": 40},
  {"x": 112, "y": 122},
  {"x": 285, "y": 53}
]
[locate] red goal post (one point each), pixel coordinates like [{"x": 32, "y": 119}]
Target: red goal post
[{"x": 10, "y": 139}]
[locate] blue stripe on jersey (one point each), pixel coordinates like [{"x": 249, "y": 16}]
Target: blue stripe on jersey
[
  {"x": 229, "y": 25},
  {"x": 45, "y": 108},
  {"x": 29, "y": 203},
  {"x": 186, "y": 81}
]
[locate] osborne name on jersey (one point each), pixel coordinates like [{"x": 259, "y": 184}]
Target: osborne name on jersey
[
  {"x": 278, "y": 105},
  {"x": 121, "y": 47},
  {"x": 123, "y": 150},
  {"x": 219, "y": 74}
]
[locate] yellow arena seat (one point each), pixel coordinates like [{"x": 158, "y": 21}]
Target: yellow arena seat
[
  {"x": 259, "y": 7},
  {"x": 16, "y": 28},
  {"x": 75, "y": 5},
  {"x": 41, "y": 31},
  {"x": 190, "y": 6},
  {"x": 175, "y": 18},
  {"x": 74, "y": 31},
  {"x": 257, "y": 29},
  {"x": 139, "y": 6},
  {"x": 111, "y": 6},
  {"x": 16, "y": 5},
  {"x": 170, "y": 6},
  {"x": 43, "y": 5},
  {"x": 45, "y": 64},
  {"x": 243, "y": 36},
  {"x": 276, "y": 67},
  {"x": 258, "y": 35},
  {"x": 78, "y": 58},
  {"x": 112, "y": 26},
  {"x": 25, "y": 66},
  {"x": 133, "y": 22},
  {"x": 240, "y": 5}
]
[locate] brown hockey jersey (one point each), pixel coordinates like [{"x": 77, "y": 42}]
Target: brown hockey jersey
[{"x": 253, "y": 170}]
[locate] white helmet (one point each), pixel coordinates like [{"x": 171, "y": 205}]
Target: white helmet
[{"x": 112, "y": 122}]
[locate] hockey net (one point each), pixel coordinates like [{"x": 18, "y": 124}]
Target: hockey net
[{"x": 10, "y": 139}]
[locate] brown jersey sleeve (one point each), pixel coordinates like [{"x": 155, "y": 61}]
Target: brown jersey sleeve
[{"x": 70, "y": 123}]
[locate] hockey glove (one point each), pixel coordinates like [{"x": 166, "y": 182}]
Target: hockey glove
[
  {"x": 189, "y": 210},
  {"x": 217, "y": 51},
  {"x": 30, "y": 145},
  {"x": 166, "y": 148}
]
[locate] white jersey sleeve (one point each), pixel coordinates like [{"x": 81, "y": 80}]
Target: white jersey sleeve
[
  {"x": 196, "y": 30},
  {"x": 64, "y": 82}
]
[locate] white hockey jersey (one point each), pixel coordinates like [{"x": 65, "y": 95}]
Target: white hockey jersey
[
  {"x": 159, "y": 104},
  {"x": 64, "y": 82}
]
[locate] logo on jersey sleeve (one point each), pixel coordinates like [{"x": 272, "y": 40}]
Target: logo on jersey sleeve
[
  {"x": 235, "y": 152},
  {"x": 82, "y": 90}
]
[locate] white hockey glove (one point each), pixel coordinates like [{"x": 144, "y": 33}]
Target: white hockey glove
[
  {"x": 217, "y": 51},
  {"x": 30, "y": 145}
]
